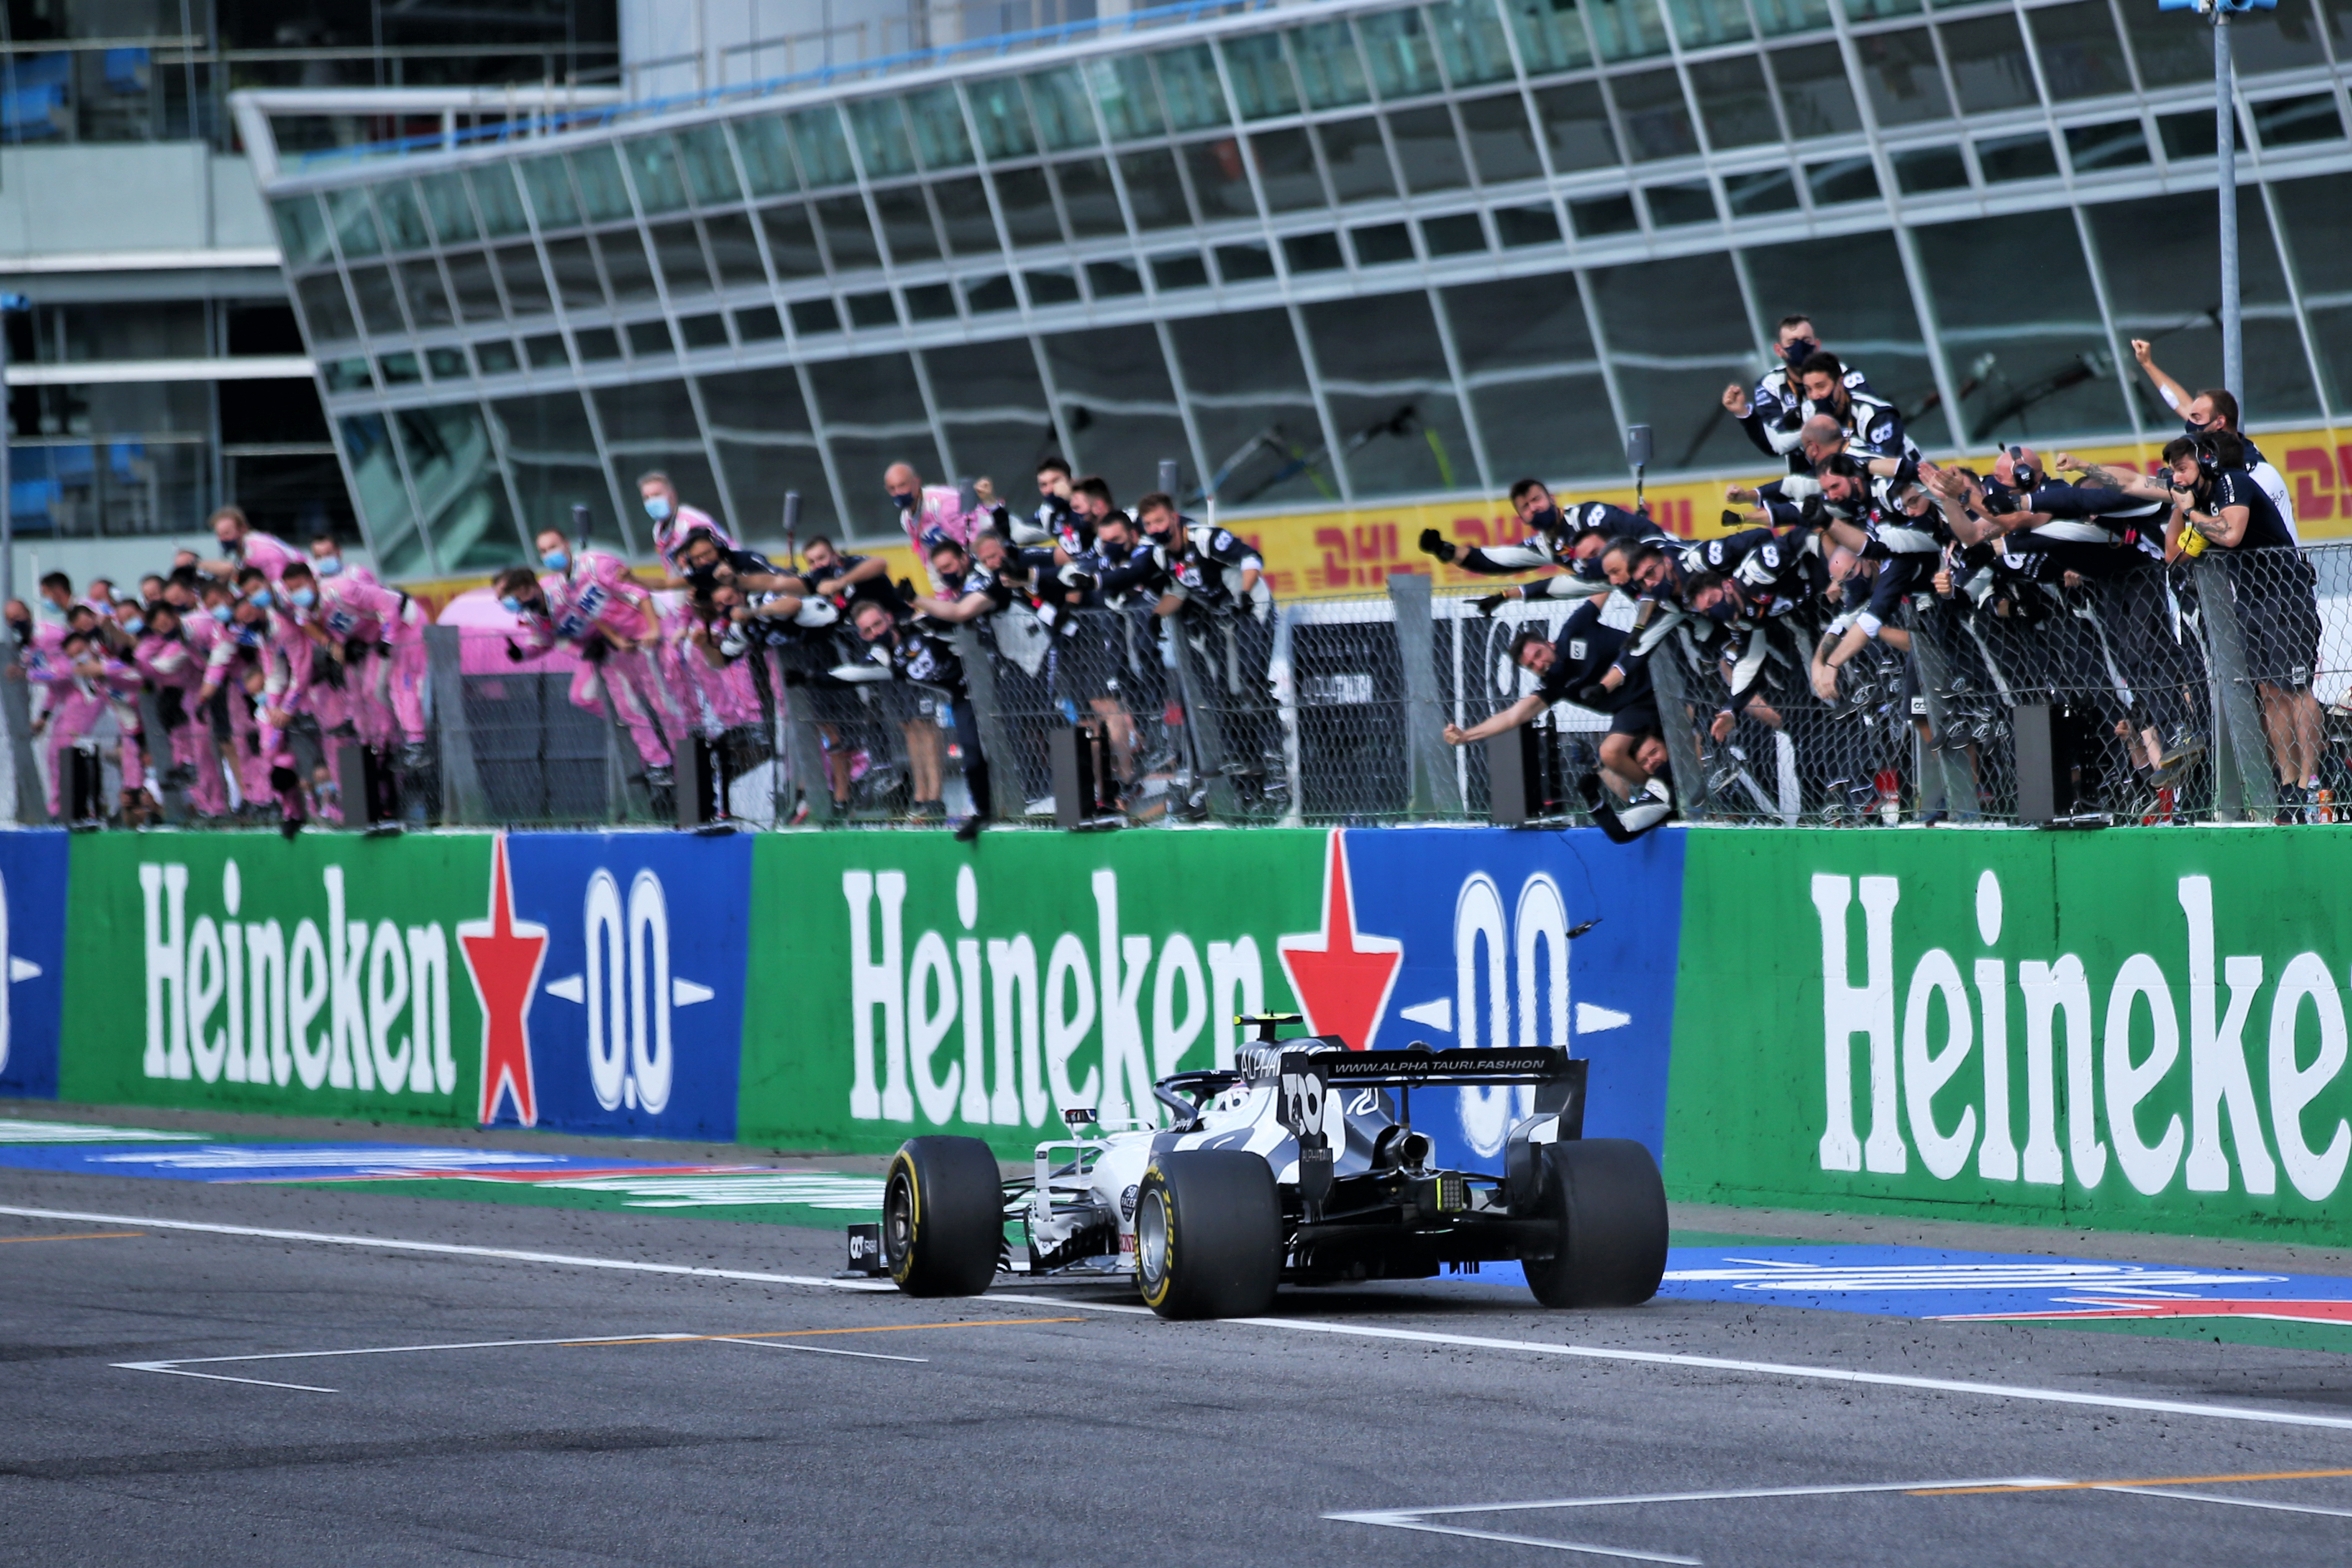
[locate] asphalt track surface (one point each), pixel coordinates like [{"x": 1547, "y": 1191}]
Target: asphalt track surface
[{"x": 424, "y": 1381}]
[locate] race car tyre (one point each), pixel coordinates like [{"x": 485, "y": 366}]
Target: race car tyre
[
  {"x": 1611, "y": 1209},
  {"x": 1208, "y": 1233},
  {"x": 942, "y": 1217}
]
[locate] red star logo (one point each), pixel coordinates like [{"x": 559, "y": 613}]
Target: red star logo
[
  {"x": 2109, "y": 1308},
  {"x": 1341, "y": 977},
  {"x": 502, "y": 955}
]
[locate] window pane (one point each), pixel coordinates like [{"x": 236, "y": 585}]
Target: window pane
[
  {"x": 1521, "y": 324},
  {"x": 553, "y": 459},
  {"x": 495, "y": 199},
  {"x": 1358, "y": 159},
  {"x": 1003, "y": 116},
  {"x": 1814, "y": 92},
  {"x": 1285, "y": 170},
  {"x": 651, "y": 424},
  {"x": 2290, "y": 122},
  {"x": 1154, "y": 190},
  {"x": 1117, "y": 406},
  {"x": 552, "y": 202},
  {"x": 1058, "y": 99},
  {"x": 1188, "y": 87},
  {"x": 577, "y": 283},
  {"x": 2318, "y": 216},
  {"x": 759, "y": 426},
  {"x": 1313, "y": 253},
  {"x": 464, "y": 497},
  {"x": 2015, "y": 343},
  {"x": 1988, "y": 64},
  {"x": 1737, "y": 105},
  {"x": 1905, "y": 86},
  {"x": 1527, "y": 225},
  {"x": 597, "y": 172},
  {"x": 1671, "y": 207},
  {"x": 1845, "y": 180},
  {"x": 428, "y": 302},
  {"x": 1470, "y": 38},
  {"x": 1676, "y": 335},
  {"x": 477, "y": 295},
  {"x": 1879, "y": 10},
  {"x": 791, "y": 241},
  {"x": 1501, "y": 140},
  {"x": 2026, "y": 157},
  {"x": 1125, "y": 97},
  {"x": 1551, "y": 35},
  {"x": 1864, "y": 311},
  {"x": 1382, "y": 244},
  {"x": 626, "y": 266},
  {"x": 679, "y": 250},
  {"x": 378, "y": 307},
  {"x": 2158, "y": 260},
  {"x": 1262, "y": 79},
  {"x": 709, "y": 169},
  {"x": 767, "y": 162},
  {"x": 403, "y": 220},
  {"x": 354, "y": 224},
  {"x": 872, "y": 409},
  {"x": 1702, "y": 23},
  {"x": 1028, "y": 205},
  {"x": 1576, "y": 127},
  {"x": 1427, "y": 149},
  {"x": 881, "y": 137},
  {"x": 1656, "y": 121},
  {"x": 939, "y": 134},
  {"x": 445, "y": 201},
  {"x": 1597, "y": 216},
  {"x": 822, "y": 149},
  {"x": 996, "y": 380},
  {"x": 1777, "y": 17},
  {"x": 2281, "y": 39},
  {"x": 1924, "y": 169},
  {"x": 848, "y": 234},
  {"x": 1245, "y": 380},
  {"x": 526, "y": 282},
  {"x": 1219, "y": 182},
  {"x": 653, "y": 166},
  {"x": 964, "y": 213},
  {"x": 2080, "y": 57},
  {"x": 2118, "y": 146},
  {"x": 383, "y": 498},
  {"x": 1328, "y": 67},
  {"x": 734, "y": 249},
  {"x": 326, "y": 313},
  {"x": 1404, "y": 63},
  {"x": 2171, "y": 46},
  {"x": 1626, "y": 29},
  {"x": 1765, "y": 191},
  {"x": 1384, "y": 372},
  {"x": 301, "y": 232},
  {"x": 1526, "y": 438},
  {"x": 907, "y": 224}
]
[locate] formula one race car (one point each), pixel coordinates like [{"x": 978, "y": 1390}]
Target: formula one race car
[{"x": 1298, "y": 1163}]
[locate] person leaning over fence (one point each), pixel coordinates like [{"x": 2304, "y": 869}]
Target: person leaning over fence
[
  {"x": 904, "y": 650},
  {"x": 673, "y": 519},
  {"x": 1569, "y": 668},
  {"x": 2216, "y": 408},
  {"x": 592, "y": 603}
]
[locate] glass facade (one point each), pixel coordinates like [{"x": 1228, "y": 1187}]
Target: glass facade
[{"x": 1323, "y": 253}]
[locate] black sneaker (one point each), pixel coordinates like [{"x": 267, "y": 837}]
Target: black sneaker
[{"x": 969, "y": 828}]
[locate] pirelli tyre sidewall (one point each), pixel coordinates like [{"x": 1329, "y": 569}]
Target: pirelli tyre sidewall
[
  {"x": 1606, "y": 1197},
  {"x": 942, "y": 1217},
  {"x": 1208, "y": 1233}
]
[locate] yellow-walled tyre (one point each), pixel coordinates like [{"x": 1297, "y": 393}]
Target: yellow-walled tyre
[
  {"x": 942, "y": 1217},
  {"x": 1208, "y": 1233}
]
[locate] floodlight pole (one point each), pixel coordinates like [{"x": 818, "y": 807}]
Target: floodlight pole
[{"x": 2225, "y": 134}]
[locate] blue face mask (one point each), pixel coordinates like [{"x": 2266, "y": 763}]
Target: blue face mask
[
  {"x": 511, "y": 605},
  {"x": 134, "y": 625},
  {"x": 261, "y": 598},
  {"x": 303, "y": 599},
  {"x": 905, "y": 503},
  {"x": 327, "y": 566},
  {"x": 222, "y": 612},
  {"x": 555, "y": 561},
  {"x": 658, "y": 507}
]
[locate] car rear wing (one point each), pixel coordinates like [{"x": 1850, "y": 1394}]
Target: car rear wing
[{"x": 1315, "y": 1072}]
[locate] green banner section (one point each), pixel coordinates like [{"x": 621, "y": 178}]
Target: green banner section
[
  {"x": 2132, "y": 1030},
  {"x": 239, "y": 971},
  {"x": 903, "y": 982}
]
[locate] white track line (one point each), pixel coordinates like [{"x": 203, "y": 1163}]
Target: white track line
[
  {"x": 1289, "y": 1325},
  {"x": 820, "y": 1349},
  {"x": 171, "y": 1371},
  {"x": 1389, "y": 1515},
  {"x": 1401, "y": 1522},
  {"x": 2229, "y": 1502}
]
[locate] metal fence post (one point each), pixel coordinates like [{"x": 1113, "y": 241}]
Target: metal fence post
[
  {"x": 462, "y": 801},
  {"x": 1201, "y": 723},
  {"x": 1283, "y": 675},
  {"x": 1955, "y": 791},
  {"x": 1006, "y": 800},
  {"x": 32, "y": 805},
  {"x": 1681, "y": 737},
  {"x": 2238, "y": 721},
  {"x": 1434, "y": 791}
]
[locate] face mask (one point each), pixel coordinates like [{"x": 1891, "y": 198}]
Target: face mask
[
  {"x": 303, "y": 599},
  {"x": 2194, "y": 428},
  {"x": 134, "y": 625},
  {"x": 1795, "y": 353},
  {"x": 511, "y": 605},
  {"x": 1548, "y": 520},
  {"x": 904, "y": 504},
  {"x": 329, "y": 566},
  {"x": 558, "y": 561},
  {"x": 1724, "y": 612},
  {"x": 222, "y": 612},
  {"x": 261, "y": 599},
  {"x": 658, "y": 507}
]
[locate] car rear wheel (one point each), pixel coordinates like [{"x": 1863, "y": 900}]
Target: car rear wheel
[
  {"x": 1610, "y": 1205},
  {"x": 942, "y": 1217},
  {"x": 1208, "y": 1233}
]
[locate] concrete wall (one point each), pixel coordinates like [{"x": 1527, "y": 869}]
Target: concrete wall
[{"x": 118, "y": 196}]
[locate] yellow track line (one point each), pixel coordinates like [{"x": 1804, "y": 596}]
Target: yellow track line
[
  {"x": 811, "y": 1333},
  {"x": 82, "y": 1236},
  {"x": 2157, "y": 1481}
]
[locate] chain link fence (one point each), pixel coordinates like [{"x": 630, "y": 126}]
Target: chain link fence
[{"x": 2213, "y": 689}]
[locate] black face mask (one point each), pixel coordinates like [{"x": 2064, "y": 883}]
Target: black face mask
[
  {"x": 1795, "y": 353},
  {"x": 1548, "y": 520},
  {"x": 905, "y": 503}
]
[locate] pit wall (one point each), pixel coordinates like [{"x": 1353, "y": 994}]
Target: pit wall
[{"x": 2135, "y": 1030}]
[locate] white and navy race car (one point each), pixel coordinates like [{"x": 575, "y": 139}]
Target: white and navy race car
[{"x": 1298, "y": 1165}]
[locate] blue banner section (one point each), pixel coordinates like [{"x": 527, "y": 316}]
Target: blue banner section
[
  {"x": 1481, "y": 921},
  {"x": 33, "y": 869},
  {"x": 636, "y": 1024}
]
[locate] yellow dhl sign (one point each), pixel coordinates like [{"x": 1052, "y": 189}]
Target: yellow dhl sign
[{"x": 1351, "y": 551}]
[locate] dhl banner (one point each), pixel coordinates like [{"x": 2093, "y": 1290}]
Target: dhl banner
[{"x": 1347, "y": 552}]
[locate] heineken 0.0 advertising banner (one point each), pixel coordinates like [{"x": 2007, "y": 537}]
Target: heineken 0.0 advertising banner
[
  {"x": 32, "y": 947},
  {"x": 2132, "y": 1030}
]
